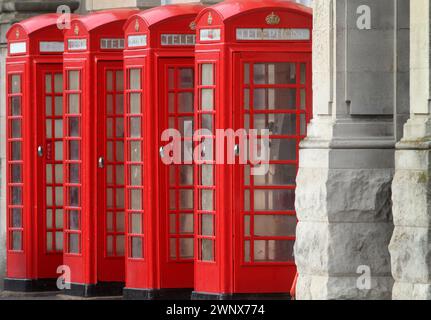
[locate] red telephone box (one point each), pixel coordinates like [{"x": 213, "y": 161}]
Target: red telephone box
[
  {"x": 94, "y": 153},
  {"x": 34, "y": 153},
  {"x": 253, "y": 64},
  {"x": 159, "y": 70}
]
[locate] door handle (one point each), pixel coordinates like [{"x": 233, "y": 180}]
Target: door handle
[
  {"x": 40, "y": 151},
  {"x": 101, "y": 162},
  {"x": 162, "y": 152}
]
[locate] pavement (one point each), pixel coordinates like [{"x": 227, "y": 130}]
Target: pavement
[{"x": 9, "y": 295}]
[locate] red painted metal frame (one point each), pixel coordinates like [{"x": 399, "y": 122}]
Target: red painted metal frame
[
  {"x": 228, "y": 274},
  {"x": 154, "y": 271},
  {"x": 87, "y": 265},
  {"x": 32, "y": 261}
]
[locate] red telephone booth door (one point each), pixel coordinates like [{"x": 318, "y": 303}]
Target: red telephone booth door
[
  {"x": 275, "y": 95},
  {"x": 49, "y": 135},
  {"x": 111, "y": 206},
  {"x": 176, "y": 184}
]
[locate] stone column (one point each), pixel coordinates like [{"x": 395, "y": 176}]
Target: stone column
[
  {"x": 410, "y": 246},
  {"x": 343, "y": 198},
  {"x": 10, "y": 13}
]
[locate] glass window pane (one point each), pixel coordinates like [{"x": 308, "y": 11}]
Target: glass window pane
[
  {"x": 136, "y": 223},
  {"x": 58, "y": 128},
  {"x": 109, "y": 80},
  {"x": 74, "y": 80},
  {"x": 186, "y": 248},
  {"x": 49, "y": 196},
  {"x": 119, "y": 175},
  {"x": 277, "y": 124},
  {"x": 275, "y": 73},
  {"x": 16, "y": 128},
  {"x": 48, "y": 106},
  {"x": 283, "y": 149},
  {"x": 207, "y": 74},
  {"x": 135, "y": 103},
  {"x": 186, "y": 175},
  {"x": 74, "y": 243},
  {"x": 74, "y": 173},
  {"x": 119, "y": 104},
  {"x": 74, "y": 197},
  {"x": 74, "y": 220},
  {"x": 274, "y": 99},
  {"x": 172, "y": 200},
  {"x": 59, "y": 218},
  {"x": 303, "y": 72},
  {"x": 58, "y": 173},
  {"x": 247, "y": 257},
  {"x": 246, "y": 73},
  {"x": 17, "y": 240},
  {"x": 186, "y": 78},
  {"x": 16, "y": 218},
  {"x": 207, "y": 99},
  {"x": 136, "y": 248},
  {"x": 58, "y": 83},
  {"x": 207, "y": 200},
  {"x": 58, "y": 101},
  {"x": 74, "y": 127},
  {"x": 135, "y": 127},
  {"x": 135, "y": 151},
  {"x": 207, "y": 250},
  {"x": 207, "y": 178},
  {"x": 171, "y": 78},
  {"x": 274, "y": 225},
  {"x": 185, "y": 102},
  {"x": 207, "y": 122},
  {"x": 58, "y": 150},
  {"x": 74, "y": 150},
  {"x": 16, "y": 173},
  {"x": 186, "y": 223},
  {"x": 276, "y": 200},
  {"x": 119, "y": 196},
  {"x": 186, "y": 199},
  {"x": 16, "y": 83},
  {"x": 58, "y": 196},
  {"x": 119, "y": 151},
  {"x": 16, "y": 150},
  {"x": 48, "y": 128},
  {"x": 109, "y": 104},
  {"x": 136, "y": 175},
  {"x": 273, "y": 250},
  {"x": 247, "y": 226},
  {"x": 120, "y": 246},
  {"x": 49, "y": 218},
  {"x": 173, "y": 248},
  {"x": 16, "y": 195},
  {"x": 278, "y": 175},
  {"x": 207, "y": 225},
  {"x": 110, "y": 221},
  {"x": 135, "y": 200},
  {"x": 135, "y": 79},
  {"x": 15, "y": 106},
  {"x": 303, "y": 99},
  {"x": 59, "y": 241},
  {"x": 74, "y": 103}
]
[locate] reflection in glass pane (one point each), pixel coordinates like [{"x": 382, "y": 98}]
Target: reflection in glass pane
[
  {"x": 275, "y": 73},
  {"x": 119, "y": 128},
  {"x": 73, "y": 127},
  {"x": 74, "y": 196},
  {"x": 274, "y": 225},
  {"x": 273, "y": 250},
  {"x": 207, "y": 178},
  {"x": 283, "y": 149},
  {"x": 58, "y": 196},
  {"x": 16, "y": 195},
  {"x": 59, "y": 219},
  {"x": 278, "y": 175},
  {"x": 277, "y": 124},
  {"x": 207, "y": 122},
  {"x": 274, "y": 99},
  {"x": 15, "y": 106},
  {"x": 186, "y": 248},
  {"x": 74, "y": 150},
  {"x": 186, "y": 223},
  {"x": 186, "y": 199},
  {"x": 119, "y": 196},
  {"x": 74, "y": 173},
  {"x": 16, "y": 173},
  {"x": 186, "y": 175},
  {"x": 207, "y": 225},
  {"x": 74, "y": 220},
  {"x": 137, "y": 248},
  {"x": 186, "y": 78},
  {"x": 207, "y": 74},
  {"x": 207, "y": 200},
  {"x": 74, "y": 243},
  {"x": 276, "y": 200},
  {"x": 207, "y": 250},
  {"x": 119, "y": 104},
  {"x": 16, "y": 150},
  {"x": 207, "y": 99},
  {"x": 119, "y": 175},
  {"x": 119, "y": 151},
  {"x": 16, "y": 218},
  {"x": 16, "y": 128}
]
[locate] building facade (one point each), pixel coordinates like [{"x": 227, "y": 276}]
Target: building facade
[{"x": 363, "y": 185}]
